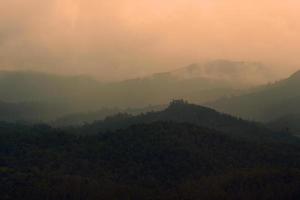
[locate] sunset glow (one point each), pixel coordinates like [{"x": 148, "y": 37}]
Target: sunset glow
[{"x": 118, "y": 39}]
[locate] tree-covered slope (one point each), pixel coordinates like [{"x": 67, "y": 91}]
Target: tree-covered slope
[
  {"x": 180, "y": 111},
  {"x": 161, "y": 160}
]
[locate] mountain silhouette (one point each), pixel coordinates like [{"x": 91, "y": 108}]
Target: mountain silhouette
[{"x": 183, "y": 112}]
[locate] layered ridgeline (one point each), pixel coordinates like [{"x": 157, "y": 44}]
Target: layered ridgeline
[
  {"x": 197, "y": 83},
  {"x": 266, "y": 103},
  {"x": 182, "y": 112},
  {"x": 34, "y": 96},
  {"x": 154, "y": 156},
  {"x": 57, "y": 114}
]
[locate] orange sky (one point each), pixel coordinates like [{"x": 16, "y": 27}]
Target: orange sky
[{"x": 118, "y": 39}]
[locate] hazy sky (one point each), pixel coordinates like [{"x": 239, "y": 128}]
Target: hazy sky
[{"x": 117, "y": 39}]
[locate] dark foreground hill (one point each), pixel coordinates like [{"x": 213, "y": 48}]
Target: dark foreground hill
[
  {"x": 288, "y": 123},
  {"x": 160, "y": 160}
]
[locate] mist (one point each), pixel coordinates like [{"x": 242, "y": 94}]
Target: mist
[
  {"x": 121, "y": 39},
  {"x": 149, "y": 99}
]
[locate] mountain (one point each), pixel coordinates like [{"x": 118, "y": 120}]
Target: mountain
[
  {"x": 185, "y": 151},
  {"x": 197, "y": 83},
  {"x": 266, "y": 103},
  {"x": 67, "y": 94},
  {"x": 183, "y": 112},
  {"x": 234, "y": 73}
]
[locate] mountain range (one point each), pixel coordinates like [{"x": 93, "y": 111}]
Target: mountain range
[
  {"x": 53, "y": 96},
  {"x": 185, "y": 151},
  {"x": 180, "y": 111}
]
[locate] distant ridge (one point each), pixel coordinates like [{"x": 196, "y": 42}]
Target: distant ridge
[
  {"x": 234, "y": 72},
  {"x": 266, "y": 103},
  {"x": 64, "y": 95},
  {"x": 83, "y": 94}
]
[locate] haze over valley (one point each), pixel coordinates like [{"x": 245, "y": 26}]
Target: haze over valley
[
  {"x": 149, "y": 100},
  {"x": 198, "y": 83}
]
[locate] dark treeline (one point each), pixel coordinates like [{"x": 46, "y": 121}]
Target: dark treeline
[{"x": 162, "y": 159}]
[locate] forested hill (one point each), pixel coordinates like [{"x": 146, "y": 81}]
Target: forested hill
[
  {"x": 157, "y": 161},
  {"x": 181, "y": 111}
]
